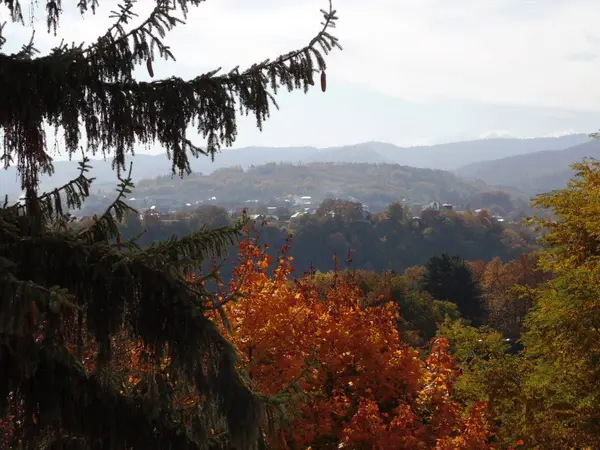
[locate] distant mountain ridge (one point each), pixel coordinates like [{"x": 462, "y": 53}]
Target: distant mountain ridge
[
  {"x": 532, "y": 173},
  {"x": 453, "y": 155},
  {"x": 450, "y": 156}
]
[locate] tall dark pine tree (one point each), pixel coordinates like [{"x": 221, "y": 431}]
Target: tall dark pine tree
[
  {"x": 61, "y": 290},
  {"x": 450, "y": 278}
]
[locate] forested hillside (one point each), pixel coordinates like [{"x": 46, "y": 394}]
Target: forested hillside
[
  {"x": 374, "y": 184},
  {"x": 367, "y": 182},
  {"x": 291, "y": 189}
]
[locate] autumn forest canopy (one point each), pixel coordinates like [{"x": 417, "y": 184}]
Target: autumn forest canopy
[{"x": 341, "y": 328}]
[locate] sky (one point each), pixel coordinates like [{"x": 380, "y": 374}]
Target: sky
[{"x": 412, "y": 72}]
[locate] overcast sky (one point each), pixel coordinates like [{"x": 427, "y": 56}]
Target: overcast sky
[{"x": 412, "y": 71}]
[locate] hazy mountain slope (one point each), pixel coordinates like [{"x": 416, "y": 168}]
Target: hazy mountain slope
[
  {"x": 533, "y": 172},
  {"x": 445, "y": 156},
  {"x": 144, "y": 166},
  {"x": 151, "y": 166},
  {"x": 454, "y": 155}
]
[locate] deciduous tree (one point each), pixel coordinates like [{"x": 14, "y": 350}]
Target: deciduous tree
[
  {"x": 350, "y": 380},
  {"x": 563, "y": 339}
]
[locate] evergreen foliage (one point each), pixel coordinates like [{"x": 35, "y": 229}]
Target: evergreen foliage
[
  {"x": 60, "y": 288},
  {"x": 450, "y": 278}
]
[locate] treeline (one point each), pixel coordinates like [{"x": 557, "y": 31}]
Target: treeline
[{"x": 392, "y": 240}]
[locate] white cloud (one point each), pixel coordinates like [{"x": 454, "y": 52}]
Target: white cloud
[
  {"x": 569, "y": 132},
  {"x": 493, "y": 134},
  {"x": 492, "y": 51}
]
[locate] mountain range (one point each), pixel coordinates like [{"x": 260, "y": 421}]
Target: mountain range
[
  {"x": 519, "y": 166},
  {"x": 531, "y": 173}
]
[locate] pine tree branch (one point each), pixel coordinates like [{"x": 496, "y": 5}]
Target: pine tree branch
[
  {"x": 153, "y": 298},
  {"x": 75, "y": 192},
  {"x": 123, "y": 18},
  {"x": 27, "y": 50},
  {"x": 162, "y": 20},
  {"x": 53, "y": 9},
  {"x": 65, "y": 399},
  {"x": 17, "y": 298},
  {"x": 189, "y": 252},
  {"x": 2, "y": 38},
  {"x": 159, "y": 19},
  {"x": 117, "y": 113},
  {"x": 106, "y": 226},
  {"x": 323, "y": 39}
]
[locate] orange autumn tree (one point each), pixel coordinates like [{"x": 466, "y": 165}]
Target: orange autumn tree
[{"x": 353, "y": 383}]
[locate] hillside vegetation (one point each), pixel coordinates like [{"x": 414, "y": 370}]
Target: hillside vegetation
[
  {"x": 390, "y": 240},
  {"x": 371, "y": 183}
]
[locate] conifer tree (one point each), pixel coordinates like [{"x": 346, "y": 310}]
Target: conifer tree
[
  {"x": 61, "y": 290},
  {"x": 449, "y": 278}
]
